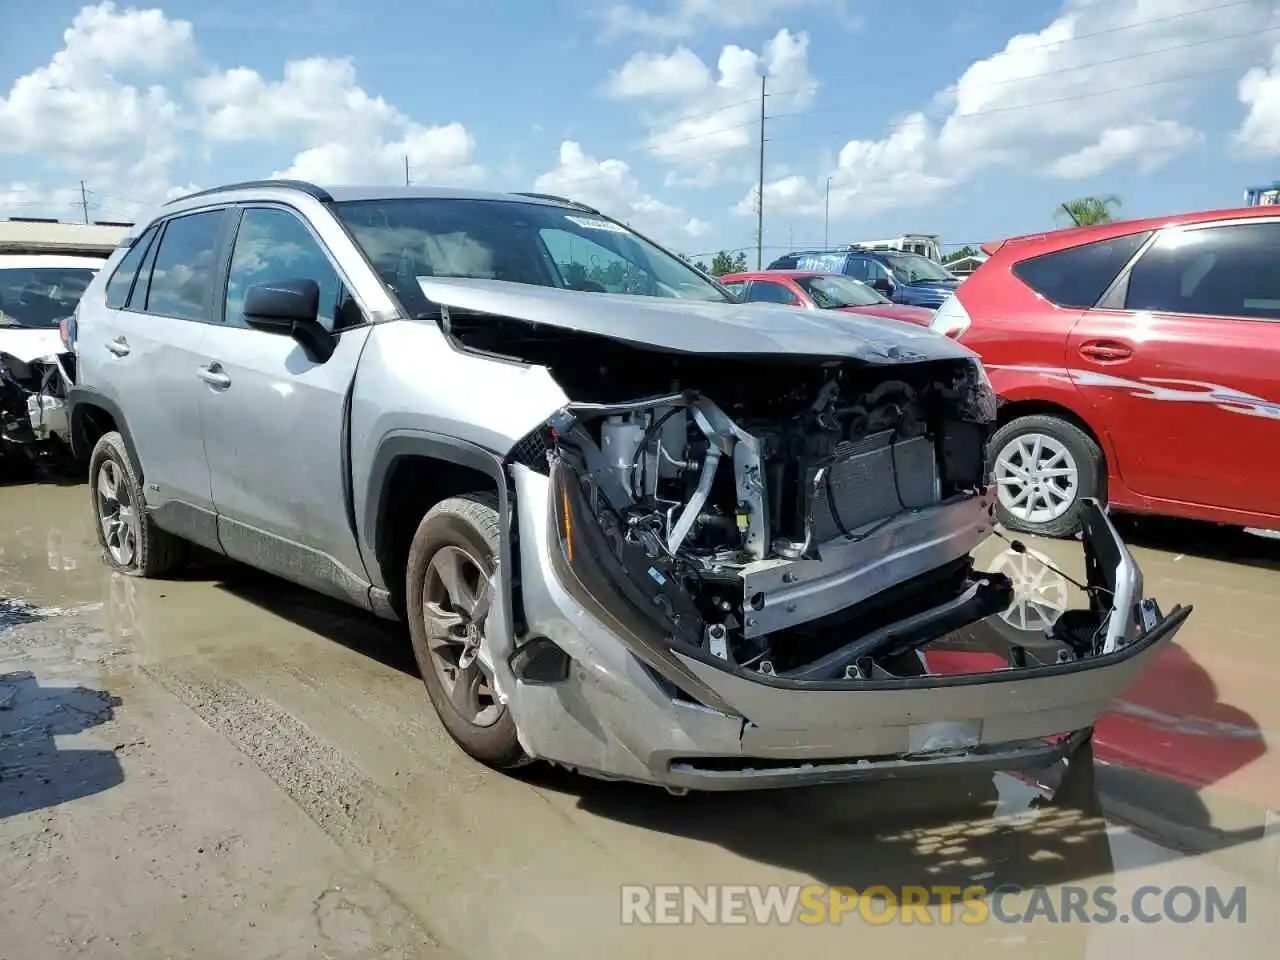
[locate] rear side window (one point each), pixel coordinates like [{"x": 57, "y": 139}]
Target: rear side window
[
  {"x": 121, "y": 281},
  {"x": 1227, "y": 271},
  {"x": 763, "y": 291},
  {"x": 1079, "y": 276},
  {"x": 183, "y": 275}
]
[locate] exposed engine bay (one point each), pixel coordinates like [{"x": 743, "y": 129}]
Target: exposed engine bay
[
  {"x": 789, "y": 515},
  {"x": 34, "y": 432},
  {"x": 724, "y": 519}
]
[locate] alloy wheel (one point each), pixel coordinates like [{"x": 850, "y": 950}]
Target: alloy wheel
[
  {"x": 117, "y": 513},
  {"x": 455, "y": 601},
  {"x": 1037, "y": 478}
]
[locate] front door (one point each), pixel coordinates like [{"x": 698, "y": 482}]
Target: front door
[
  {"x": 1187, "y": 376},
  {"x": 275, "y": 420}
]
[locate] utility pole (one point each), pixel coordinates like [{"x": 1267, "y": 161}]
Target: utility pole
[
  {"x": 84, "y": 201},
  {"x": 406, "y": 169},
  {"x": 826, "y": 218},
  {"x": 760, "y": 185}
]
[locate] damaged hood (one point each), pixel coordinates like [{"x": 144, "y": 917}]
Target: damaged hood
[
  {"x": 27, "y": 344},
  {"x": 694, "y": 326}
]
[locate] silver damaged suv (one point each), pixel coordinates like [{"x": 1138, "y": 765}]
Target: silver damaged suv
[{"x": 636, "y": 527}]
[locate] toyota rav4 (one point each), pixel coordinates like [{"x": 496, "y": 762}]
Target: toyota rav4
[{"x": 635, "y": 527}]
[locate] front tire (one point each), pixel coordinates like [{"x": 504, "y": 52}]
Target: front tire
[
  {"x": 451, "y": 561},
  {"x": 131, "y": 542},
  {"x": 1043, "y": 466}
]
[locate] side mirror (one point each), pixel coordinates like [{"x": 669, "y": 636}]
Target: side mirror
[{"x": 292, "y": 308}]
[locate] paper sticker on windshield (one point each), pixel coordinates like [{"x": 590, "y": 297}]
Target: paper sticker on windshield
[{"x": 589, "y": 224}]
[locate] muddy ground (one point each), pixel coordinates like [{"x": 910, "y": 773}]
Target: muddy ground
[{"x": 226, "y": 766}]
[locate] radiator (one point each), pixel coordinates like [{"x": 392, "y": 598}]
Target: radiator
[{"x": 860, "y": 483}]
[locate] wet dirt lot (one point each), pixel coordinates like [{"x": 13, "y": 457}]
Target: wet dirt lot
[{"x": 226, "y": 766}]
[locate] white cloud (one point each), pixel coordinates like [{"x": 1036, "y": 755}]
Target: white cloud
[
  {"x": 655, "y": 75},
  {"x": 1149, "y": 145},
  {"x": 1062, "y": 101},
  {"x": 869, "y": 176},
  {"x": 436, "y": 155},
  {"x": 347, "y": 134},
  {"x": 609, "y": 186},
  {"x": 684, "y": 18},
  {"x": 77, "y": 103},
  {"x": 699, "y": 119},
  {"x": 1259, "y": 90},
  {"x": 123, "y": 102}
]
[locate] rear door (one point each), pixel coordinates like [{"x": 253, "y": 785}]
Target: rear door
[
  {"x": 1184, "y": 358},
  {"x": 145, "y": 347},
  {"x": 275, "y": 420}
]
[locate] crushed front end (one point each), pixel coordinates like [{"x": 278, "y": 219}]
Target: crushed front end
[
  {"x": 744, "y": 591},
  {"x": 34, "y": 430}
]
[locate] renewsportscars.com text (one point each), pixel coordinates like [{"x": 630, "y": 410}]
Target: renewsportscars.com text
[{"x": 933, "y": 905}]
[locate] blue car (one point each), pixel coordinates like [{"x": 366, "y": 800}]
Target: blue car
[{"x": 902, "y": 277}]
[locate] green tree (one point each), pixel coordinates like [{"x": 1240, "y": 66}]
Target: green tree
[
  {"x": 725, "y": 262},
  {"x": 1089, "y": 211},
  {"x": 959, "y": 254},
  {"x": 696, "y": 264}
]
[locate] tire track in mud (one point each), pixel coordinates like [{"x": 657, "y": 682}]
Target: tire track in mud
[{"x": 318, "y": 777}]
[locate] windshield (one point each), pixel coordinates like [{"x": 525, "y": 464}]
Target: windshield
[
  {"x": 829, "y": 293},
  {"x": 549, "y": 246},
  {"x": 912, "y": 268},
  {"x": 40, "y": 297}
]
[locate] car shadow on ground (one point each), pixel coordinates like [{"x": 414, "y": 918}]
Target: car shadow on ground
[
  {"x": 34, "y": 772},
  {"x": 1198, "y": 539},
  {"x": 946, "y": 832},
  {"x": 380, "y": 640}
]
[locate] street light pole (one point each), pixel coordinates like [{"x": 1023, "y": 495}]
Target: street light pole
[{"x": 826, "y": 218}]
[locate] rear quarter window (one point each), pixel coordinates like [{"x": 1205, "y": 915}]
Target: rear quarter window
[{"x": 1079, "y": 276}]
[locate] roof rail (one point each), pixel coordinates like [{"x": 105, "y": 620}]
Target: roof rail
[
  {"x": 555, "y": 199},
  {"x": 310, "y": 189}
]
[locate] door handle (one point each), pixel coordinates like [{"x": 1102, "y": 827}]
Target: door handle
[
  {"x": 1105, "y": 351},
  {"x": 119, "y": 346},
  {"x": 213, "y": 376}
]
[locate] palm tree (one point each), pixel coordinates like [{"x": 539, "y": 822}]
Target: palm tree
[{"x": 1088, "y": 211}]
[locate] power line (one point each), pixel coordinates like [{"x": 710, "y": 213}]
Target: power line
[
  {"x": 1136, "y": 24},
  {"x": 1045, "y": 103},
  {"x": 1085, "y": 66},
  {"x": 649, "y": 147}
]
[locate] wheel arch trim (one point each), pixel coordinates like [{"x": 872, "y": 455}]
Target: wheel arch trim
[
  {"x": 80, "y": 400},
  {"x": 402, "y": 444}
]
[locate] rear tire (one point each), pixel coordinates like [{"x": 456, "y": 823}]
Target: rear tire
[
  {"x": 1042, "y": 467},
  {"x": 453, "y": 554},
  {"x": 131, "y": 542}
]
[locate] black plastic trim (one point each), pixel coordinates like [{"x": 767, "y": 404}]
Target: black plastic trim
[
  {"x": 551, "y": 197},
  {"x": 78, "y": 399},
  {"x": 398, "y": 444},
  {"x": 302, "y": 186},
  {"x": 744, "y": 773},
  {"x": 189, "y": 522},
  {"x": 539, "y": 662}
]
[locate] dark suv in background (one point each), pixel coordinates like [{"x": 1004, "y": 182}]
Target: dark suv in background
[{"x": 902, "y": 277}]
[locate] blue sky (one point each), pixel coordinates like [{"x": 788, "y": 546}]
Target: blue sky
[{"x": 971, "y": 120}]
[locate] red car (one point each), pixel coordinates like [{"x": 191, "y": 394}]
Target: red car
[
  {"x": 820, "y": 291},
  {"x": 1138, "y": 362}
]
